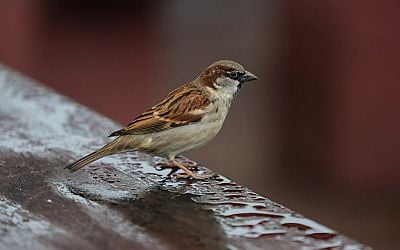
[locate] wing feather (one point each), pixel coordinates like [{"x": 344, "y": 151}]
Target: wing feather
[{"x": 183, "y": 106}]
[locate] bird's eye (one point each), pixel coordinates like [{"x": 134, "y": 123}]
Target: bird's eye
[{"x": 233, "y": 74}]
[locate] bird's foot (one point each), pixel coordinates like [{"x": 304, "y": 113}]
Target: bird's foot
[
  {"x": 164, "y": 165},
  {"x": 188, "y": 172}
]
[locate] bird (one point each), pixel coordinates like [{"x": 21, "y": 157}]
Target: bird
[{"x": 187, "y": 118}]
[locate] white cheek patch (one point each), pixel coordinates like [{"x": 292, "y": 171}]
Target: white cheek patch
[
  {"x": 220, "y": 82},
  {"x": 216, "y": 86},
  {"x": 224, "y": 88}
]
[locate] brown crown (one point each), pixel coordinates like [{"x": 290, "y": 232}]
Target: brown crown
[{"x": 217, "y": 69}]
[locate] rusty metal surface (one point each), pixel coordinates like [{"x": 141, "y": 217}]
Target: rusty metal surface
[{"x": 125, "y": 201}]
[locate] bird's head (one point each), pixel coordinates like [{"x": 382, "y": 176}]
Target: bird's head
[{"x": 225, "y": 77}]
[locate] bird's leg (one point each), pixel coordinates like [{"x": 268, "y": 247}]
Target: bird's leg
[{"x": 188, "y": 173}]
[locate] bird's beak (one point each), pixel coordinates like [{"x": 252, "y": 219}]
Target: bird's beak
[{"x": 248, "y": 76}]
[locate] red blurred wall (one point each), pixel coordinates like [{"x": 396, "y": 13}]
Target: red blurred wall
[
  {"x": 97, "y": 52},
  {"x": 340, "y": 91}
]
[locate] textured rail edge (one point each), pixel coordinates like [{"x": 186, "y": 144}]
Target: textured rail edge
[{"x": 121, "y": 202}]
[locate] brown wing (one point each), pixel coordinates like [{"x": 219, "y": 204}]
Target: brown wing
[{"x": 183, "y": 106}]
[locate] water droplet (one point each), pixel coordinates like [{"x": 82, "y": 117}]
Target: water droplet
[
  {"x": 230, "y": 190},
  {"x": 249, "y": 212},
  {"x": 235, "y": 195},
  {"x": 296, "y": 225},
  {"x": 322, "y": 236}
]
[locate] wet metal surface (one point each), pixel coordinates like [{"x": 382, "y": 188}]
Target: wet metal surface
[{"x": 124, "y": 201}]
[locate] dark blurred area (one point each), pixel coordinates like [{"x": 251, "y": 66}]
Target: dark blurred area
[{"x": 319, "y": 132}]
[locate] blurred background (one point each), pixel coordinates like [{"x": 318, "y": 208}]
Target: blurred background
[{"x": 318, "y": 132}]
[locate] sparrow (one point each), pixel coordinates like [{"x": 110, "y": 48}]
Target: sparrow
[{"x": 187, "y": 118}]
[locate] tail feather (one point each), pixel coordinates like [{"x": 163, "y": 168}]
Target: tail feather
[
  {"x": 108, "y": 149},
  {"x": 87, "y": 159}
]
